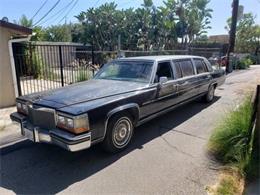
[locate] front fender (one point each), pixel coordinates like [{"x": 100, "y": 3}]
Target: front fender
[
  {"x": 124, "y": 107},
  {"x": 132, "y": 106}
]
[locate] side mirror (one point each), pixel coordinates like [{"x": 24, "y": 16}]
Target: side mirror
[{"x": 163, "y": 80}]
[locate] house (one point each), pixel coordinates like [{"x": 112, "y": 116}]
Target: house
[{"x": 7, "y": 73}]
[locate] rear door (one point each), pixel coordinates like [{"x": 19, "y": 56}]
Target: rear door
[
  {"x": 187, "y": 82},
  {"x": 202, "y": 74}
]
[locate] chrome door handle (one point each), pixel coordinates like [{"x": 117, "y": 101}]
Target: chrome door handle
[
  {"x": 184, "y": 83},
  {"x": 176, "y": 86}
]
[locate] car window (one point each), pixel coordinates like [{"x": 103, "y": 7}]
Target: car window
[
  {"x": 208, "y": 65},
  {"x": 164, "y": 69},
  {"x": 177, "y": 70},
  {"x": 126, "y": 71},
  {"x": 186, "y": 68},
  {"x": 200, "y": 66}
]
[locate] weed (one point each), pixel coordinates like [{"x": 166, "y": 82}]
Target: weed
[{"x": 230, "y": 142}]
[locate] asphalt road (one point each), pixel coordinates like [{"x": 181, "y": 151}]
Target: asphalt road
[{"x": 168, "y": 155}]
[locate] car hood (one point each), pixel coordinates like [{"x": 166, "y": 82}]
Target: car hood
[{"x": 84, "y": 91}]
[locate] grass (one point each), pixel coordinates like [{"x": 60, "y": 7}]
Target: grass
[
  {"x": 253, "y": 167},
  {"x": 230, "y": 182},
  {"x": 227, "y": 186},
  {"x": 232, "y": 143}
]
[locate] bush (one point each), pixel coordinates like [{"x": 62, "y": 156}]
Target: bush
[
  {"x": 253, "y": 58},
  {"x": 37, "y": 68},
  {"x": 83, "y": 75},
  {"x": 230, "y": 142},
  {"x": 244, "y": 63}
]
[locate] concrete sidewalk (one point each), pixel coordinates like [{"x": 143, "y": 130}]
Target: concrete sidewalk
[
  {"x": 253, "y": 188},
  {"x": 9, "y": 131}
]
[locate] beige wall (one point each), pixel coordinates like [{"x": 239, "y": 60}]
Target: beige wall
[
  {"x": 219, "y": 38},
  {"x": 7, "y": 92}
]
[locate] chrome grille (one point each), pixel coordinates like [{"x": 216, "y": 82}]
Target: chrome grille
[{"x": 42, "y": 117}]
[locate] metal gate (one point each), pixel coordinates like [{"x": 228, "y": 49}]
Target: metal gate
[{"x": 45, "y": 66}]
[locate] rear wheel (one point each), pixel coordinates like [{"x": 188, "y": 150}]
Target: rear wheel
[
  {"x": 119, "y": 133},
  {"x": 210, "y": 95}
]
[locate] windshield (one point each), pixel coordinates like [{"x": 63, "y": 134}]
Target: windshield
[{"x": 126, "y": 71}]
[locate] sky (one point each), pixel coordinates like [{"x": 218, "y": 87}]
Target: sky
[{"x": 13, "y": 9}]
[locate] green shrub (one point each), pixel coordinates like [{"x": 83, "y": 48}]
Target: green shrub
[
  {"x": 38, "y": 65},
  {"x": 253, "y": 58},
  {"x": 230, "y": 142},
  {"x": 244, "y": 63},
  {"x": 83, "y": 75}
]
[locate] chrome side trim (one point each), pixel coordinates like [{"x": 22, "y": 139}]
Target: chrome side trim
[{"x": 167, "y": 110}]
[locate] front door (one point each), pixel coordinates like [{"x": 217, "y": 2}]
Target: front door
[{"x": 166, "y": 92}]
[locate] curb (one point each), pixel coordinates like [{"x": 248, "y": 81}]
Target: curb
[{"x": 11, "y": 139}]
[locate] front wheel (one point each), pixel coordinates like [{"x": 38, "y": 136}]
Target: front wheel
[
  {"x": 119, "y": 133},
  {"x": 210, "y": 94}
]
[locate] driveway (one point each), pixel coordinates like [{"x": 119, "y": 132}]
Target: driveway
[{"x": 168, "y": 155}]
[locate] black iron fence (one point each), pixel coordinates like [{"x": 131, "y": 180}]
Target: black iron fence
[{"x": 44, "y": 66}]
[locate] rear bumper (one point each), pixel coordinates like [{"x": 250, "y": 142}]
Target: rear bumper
[{"x": 58, "y": 137}]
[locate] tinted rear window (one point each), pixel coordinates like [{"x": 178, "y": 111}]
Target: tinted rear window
[
  {"x": 200, "y": 66},
  {"x": 186, "y": 68},
  {"x": 177, "y": 70}
]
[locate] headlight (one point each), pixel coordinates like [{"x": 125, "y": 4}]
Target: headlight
[
  {"x": 74, "y": 124},
  {"x": 61, "y": 120},
  {"x": 22, "y": 107},
  {"x": 19, "y": 105}
]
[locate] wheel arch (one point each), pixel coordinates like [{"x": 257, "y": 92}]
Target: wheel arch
[
  {"x": 132, "y": 108},
  {"x": 214, "y": 84}
]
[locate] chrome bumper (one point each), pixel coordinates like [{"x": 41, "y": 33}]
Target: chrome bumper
[{"x": 58, "y": 137}]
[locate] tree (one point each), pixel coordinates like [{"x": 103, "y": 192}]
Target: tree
[
  {"x": 197, "y": 16},
  {"x": 248, "y": 34},
  {"x": 57, "y": 33},
  {"x": 24, "y": 21}
]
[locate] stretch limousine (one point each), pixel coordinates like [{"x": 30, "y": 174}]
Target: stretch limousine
[{"x": 123, "y": 94}]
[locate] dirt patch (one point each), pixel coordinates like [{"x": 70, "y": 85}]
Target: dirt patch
[{"x": 229, "y": 182}]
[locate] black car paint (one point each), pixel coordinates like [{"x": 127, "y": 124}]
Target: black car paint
[{"x": 103, "y": 98}]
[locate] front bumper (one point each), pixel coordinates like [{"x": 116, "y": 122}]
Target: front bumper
[{"x": 58, "y": 137}]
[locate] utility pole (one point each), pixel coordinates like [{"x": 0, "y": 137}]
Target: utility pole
[
  {"x": 119, "y": 46},
  {"x": 232, "y": 34}
]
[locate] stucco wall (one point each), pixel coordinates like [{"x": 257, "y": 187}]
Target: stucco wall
[{"x": 7, "y": 92}]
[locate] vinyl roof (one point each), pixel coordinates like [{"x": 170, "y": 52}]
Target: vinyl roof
[{"x": 161, "y": 57}]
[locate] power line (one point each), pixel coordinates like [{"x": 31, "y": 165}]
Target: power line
[
  {"x": 47, "y": 12},
  {"x": 58, "y": 12},
  {"x": 96, "y": 3},
  {"x": 123, "y": 4},
  {"x": 39, "y": 9},
  {"x": 69, "y": 11}
]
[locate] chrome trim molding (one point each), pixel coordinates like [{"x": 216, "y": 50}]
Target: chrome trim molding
[
  {"x": 58, "y": 137},
  {"x": 167, "y": 110}
]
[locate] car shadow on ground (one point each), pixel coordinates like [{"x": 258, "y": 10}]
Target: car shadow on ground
[{"x": 28, "y": 168}]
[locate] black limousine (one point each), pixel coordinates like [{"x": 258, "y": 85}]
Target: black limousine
[{"x": 122, "y": 95}]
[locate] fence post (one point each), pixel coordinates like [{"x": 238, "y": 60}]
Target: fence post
[
  {"x": 93, "y": 57},
  {"x": 61, "y": 66},
  {"x": 257, "y": 125}
]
